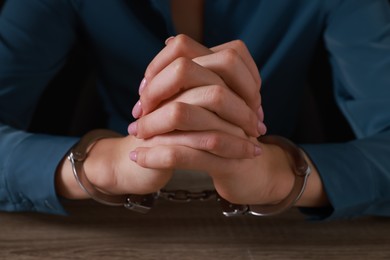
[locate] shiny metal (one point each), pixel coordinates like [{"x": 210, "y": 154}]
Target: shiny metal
[
  {"x": 299, "y": 166},
  {"x": 143, "y": 203},
  {"x": 77, "y": 156},
  {"x": 187, "y": 196}
]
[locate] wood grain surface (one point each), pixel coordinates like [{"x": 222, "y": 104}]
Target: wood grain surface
[{"x": 196, "y": 230}]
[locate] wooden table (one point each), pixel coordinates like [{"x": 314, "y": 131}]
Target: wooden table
[{"x": 196, "y": 230}]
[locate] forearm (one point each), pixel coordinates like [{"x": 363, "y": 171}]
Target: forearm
[
  {"x": 355, "y": 175},
  {"x": 27, "y": 165}
]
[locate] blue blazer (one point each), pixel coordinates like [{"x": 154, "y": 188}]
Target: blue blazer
[{"x": 123, "y": 36}]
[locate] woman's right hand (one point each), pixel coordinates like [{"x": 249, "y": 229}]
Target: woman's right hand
[{"x": 109, "y": 169}]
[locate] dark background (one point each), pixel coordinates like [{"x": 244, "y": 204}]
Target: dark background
[{"x": 71, "y": 105}]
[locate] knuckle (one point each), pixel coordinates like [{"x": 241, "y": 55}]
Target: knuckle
[
  {"x": 215, "y": 95},
  {"x": 230, "y": 56},
  {"x": 181, "y": 65},
  {"x": 211, "y": 142},
  {"x": 178, "y": 114},
  {"x": 239, "y": 45},
  {"x": 169, "y": 158},
  {"x": 182, "y": 39},
  {"x": 180, "y": 44}
]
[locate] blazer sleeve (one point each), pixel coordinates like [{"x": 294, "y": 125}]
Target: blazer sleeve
[
  {"x": 356, "y": 174},
  {"x": 35, "y": 38}
]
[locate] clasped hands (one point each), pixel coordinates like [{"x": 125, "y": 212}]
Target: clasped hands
[{"x": 199, "y": 109}]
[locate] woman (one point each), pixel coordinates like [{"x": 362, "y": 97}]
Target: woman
[{"x": 199, "y": 106}]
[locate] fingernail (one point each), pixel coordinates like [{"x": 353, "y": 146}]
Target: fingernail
[
  {"x": 142, "y": 86},
  {"x": 257, "y": 150},
  {"x": 168, "y": 39},
  {"x": 133, "y": 156},
  {"x": 137, "y": 110},
  {"x": 261, "y": 128},
  {"x": 132, "y": 129}
]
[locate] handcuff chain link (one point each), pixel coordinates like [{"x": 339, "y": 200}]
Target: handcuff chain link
[{"x": 187, "y": 196}]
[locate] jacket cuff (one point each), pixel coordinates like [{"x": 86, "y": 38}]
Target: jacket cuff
[
  {"x": 31, "y": 182},
  {"x": 347, "y": 179}
]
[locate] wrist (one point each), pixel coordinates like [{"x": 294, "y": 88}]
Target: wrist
[
  {"x": 78, "y": 155},
  {"x": 314, "y": 194},
  {"x": 280, "y": 173},
  {"x": 97, "y": 166},
  {"x": 288, "y": 157},
  {"x": 66, "y": 184},
  {"x": 282, "y": 179}
]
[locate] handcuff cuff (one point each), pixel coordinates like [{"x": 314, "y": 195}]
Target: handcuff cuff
[{"x": 143, "y": 203}]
